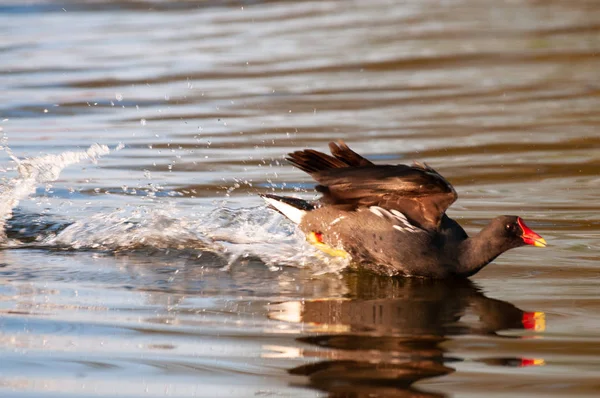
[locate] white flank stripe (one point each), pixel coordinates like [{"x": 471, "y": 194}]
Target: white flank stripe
[
  {"x": 397, "y": 217},
  {"x": 291, "y": 212},
  {"x": 401, "y": 217},
  {"x": 375, "y": 210}
]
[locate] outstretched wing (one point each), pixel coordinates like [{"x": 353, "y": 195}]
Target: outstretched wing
[{"x": 349, "y": 180}]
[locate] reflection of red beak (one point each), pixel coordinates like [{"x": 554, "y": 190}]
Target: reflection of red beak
[
  {"x": 532, "y": 362},
  {"x": 530, "y": 237},
  {"x": 535, "y": 321}
]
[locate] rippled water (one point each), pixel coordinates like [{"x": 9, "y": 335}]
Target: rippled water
[{"x": 156, "y": 270}]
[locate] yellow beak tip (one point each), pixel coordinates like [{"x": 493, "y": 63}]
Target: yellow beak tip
[{"x": 540, "y": 242}]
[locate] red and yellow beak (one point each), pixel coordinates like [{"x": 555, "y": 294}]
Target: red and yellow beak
[{"x": 530, "y": 237}]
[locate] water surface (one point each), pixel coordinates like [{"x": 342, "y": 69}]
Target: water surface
[{"x": 150, "y": 267}]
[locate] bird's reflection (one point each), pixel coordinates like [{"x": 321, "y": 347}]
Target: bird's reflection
[{"x": 387, "y": 333}]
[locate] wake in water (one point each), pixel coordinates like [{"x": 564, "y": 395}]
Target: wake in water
[{"x": 232, "y": 235}]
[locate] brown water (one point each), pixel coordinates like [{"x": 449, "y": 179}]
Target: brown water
[{"x": 157, "y": 271}]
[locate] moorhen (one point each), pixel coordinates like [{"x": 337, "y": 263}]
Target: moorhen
[{"x": 391, "y": 219}]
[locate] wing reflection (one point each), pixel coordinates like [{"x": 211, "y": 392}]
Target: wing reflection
[{"x": 387, "y": 333}]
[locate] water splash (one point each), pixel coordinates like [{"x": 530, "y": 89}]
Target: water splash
[
  {"x": 130, "y": 230},
  {"x": 233, "y": 235},
  {"x": 264, "y": 234},
  {"x": 35, "y": 171}
]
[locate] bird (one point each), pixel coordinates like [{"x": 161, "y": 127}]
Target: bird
[{"x": 391, "y": 219}]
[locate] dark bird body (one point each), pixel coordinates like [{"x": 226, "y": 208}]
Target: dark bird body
[{"x": 391, "y": 219}]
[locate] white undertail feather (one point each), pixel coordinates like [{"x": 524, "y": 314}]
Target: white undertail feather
[{"x": 291, "y": 212}]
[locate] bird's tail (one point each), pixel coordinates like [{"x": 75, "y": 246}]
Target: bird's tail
[{"x": 292, "y": 208}]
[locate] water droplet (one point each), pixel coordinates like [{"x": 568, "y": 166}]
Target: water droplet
[{"x": 143, "y": 122}]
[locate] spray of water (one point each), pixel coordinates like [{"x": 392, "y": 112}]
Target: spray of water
[
  {"x": 233, "y": 235},
  {"x": 35, "y": 171}
]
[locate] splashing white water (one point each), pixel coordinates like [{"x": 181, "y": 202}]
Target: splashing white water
[
  {"x": 260, "y": 233},
  {"x": 35, "y": 171},
  {"x": 125, "y": 230},
  {"x": 234, "y": 235}
]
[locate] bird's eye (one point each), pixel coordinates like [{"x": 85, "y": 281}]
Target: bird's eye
[{"x": 509, "y": 227}]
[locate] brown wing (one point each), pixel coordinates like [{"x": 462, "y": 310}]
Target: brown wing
[
  {"x": 349, "y": 180},
  {"x": 311, "y": 161}
]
